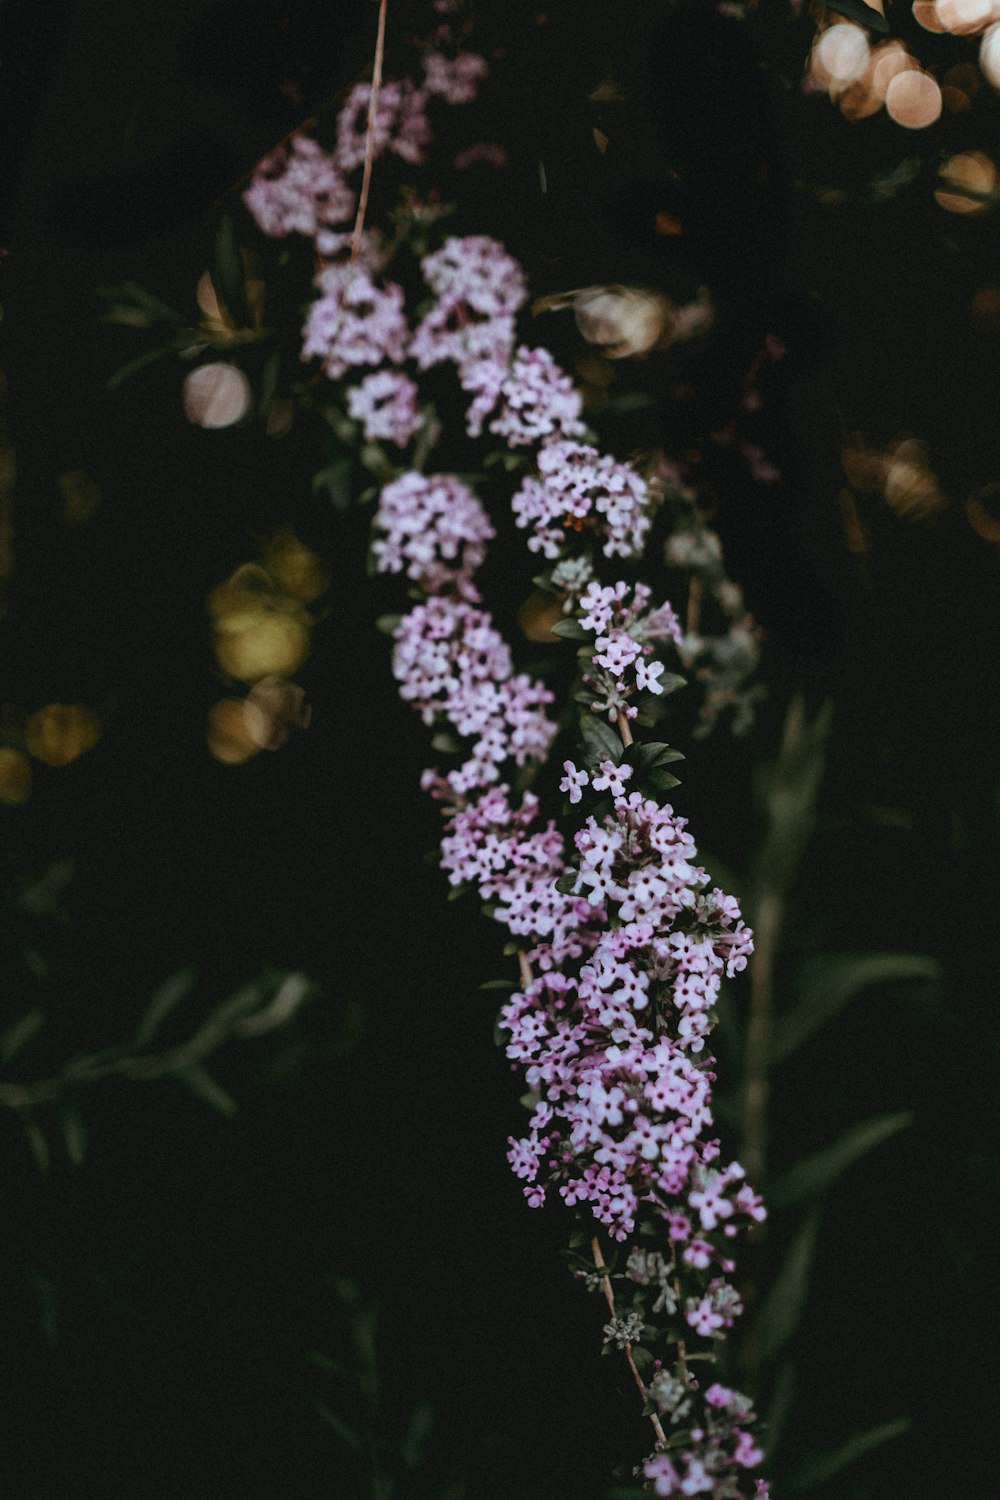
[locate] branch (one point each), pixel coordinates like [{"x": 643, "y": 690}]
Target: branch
[
  {"x": 359, "y": 223},
  {"x": 219, "y": 1028}
]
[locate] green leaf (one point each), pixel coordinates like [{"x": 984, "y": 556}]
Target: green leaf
[
  {"x": 779, "y": 1408},
  {"x": 387, "y": 624},
  {"x": 336, "y": 1424},
  {"x": 827, "y": 984},
  {"x": 599, "y": 740},
  {"x": 132, "y": 292},
  {"x": 74, "y": 1135},
  {"x": 333, "y": 1367},
  {"x": 139, "y": 363},
  {"x": 268, "y": 382},
  {"x": 809, "y": 1178},
  {"x": 413, "y": 1448},
  {"x": 812, "y": 1472},
  {"x": 671, "y": 682},
  {"x": 498, "y": 984},
  {"x": 779, "y": 1316},
  {"x": 663, "y": 780},
  {"x": 335, "y": 478},
  {"x": 201, "y": 1083},
  {"x": 20, "y": 1034},
  {"x": 227, "y": 272},
  {"x": 569, "y": 630},
  {"x": 445, "y": 744},
  {"x": 168, "y": 995}
]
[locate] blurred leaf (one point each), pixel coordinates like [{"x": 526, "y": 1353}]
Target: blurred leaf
[
  {"x": 812, "y": 1472},
  {"x": 788, "y": 791},
  {"x": 20, "y": 1034},
  {"x": 816, "y": 1173},
  {"x": 347, "y": 1435},
  {"x": 36, "y": 1140},
  {"x": 782, "y": 1308},
  {"x": 333, "y": 1367},
  {"x": 169, "y": 995},
  {"x": 779, "y": 1408},
  {"x": 201, "y": 1083},
  {"x": 74, "y": 1135},
  {"x": 336, "y": 480},
  {"x": 827, "y": 984},
  {"x": 227, "y": 272},
  {"x": 118, "y": 298},
  {"x": 269, "y": 376},
  {"x": 139, "y": 363},
  {"x": 46, "y": 1293},
  {"x": 417, "y": 1436}
]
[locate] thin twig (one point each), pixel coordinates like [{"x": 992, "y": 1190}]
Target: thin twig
[
  {"x": 625, "y": 729},
  {"x": 366, "y": 177},
  {"x": 609, "y": 1297}
]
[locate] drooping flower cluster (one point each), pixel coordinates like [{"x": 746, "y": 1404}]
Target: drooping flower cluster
[
  {"x": 623, "y": 944},
  {"x": 578, "y": 489},
  {"x": 434, "y": 529}
]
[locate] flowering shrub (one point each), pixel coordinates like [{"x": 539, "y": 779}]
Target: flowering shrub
[{"x": 622, "y": 942}]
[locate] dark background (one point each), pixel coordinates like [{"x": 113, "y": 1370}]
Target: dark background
[{"x": 161, "y": 1299}]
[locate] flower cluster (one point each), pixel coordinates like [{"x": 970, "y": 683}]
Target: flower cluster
[
  {"x": 623, "y": 943},
  {"x": 455, "y": 79},
  {"x": 385, "y": 404},
  {"x": 626, "y": 632},
  {"x": 453, "y": 665},
  {"x": 434, "y": 529},
  {"x": 298, "y": 190},
  {"x": 479, "y": 289},
  {"x": 536, "y": 399},
  {"x": 400, "y": 125},
  {"x": 578, "y": 489},
  {"x": 354, "y": 322}
]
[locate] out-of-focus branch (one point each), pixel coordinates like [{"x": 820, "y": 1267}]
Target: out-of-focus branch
[{"x": 233, "y": 1021}]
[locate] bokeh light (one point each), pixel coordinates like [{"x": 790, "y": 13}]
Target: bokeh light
[
  {"x": 216, "y": 395},
  {"x": 842, "y": 52},
  {"x": 913, "y": 100},
  {"x": 969, "y": 169},
  {"x": 228, "y": 734},
  {"x": 61, "y": 732},
  {"x": 963, "y": 17},
  {"x": 989, "y": 56},
  {"x": 15, "y": 777}
]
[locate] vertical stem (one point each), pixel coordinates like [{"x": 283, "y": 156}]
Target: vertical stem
[
  {"x": 366, "y": 178},
  {"x": 609, "y": 1297},
  {"x": 625, "y": 729}
]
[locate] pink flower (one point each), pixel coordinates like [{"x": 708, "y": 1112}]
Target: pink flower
[
  {"x": 454, "y": 79},
  {"x": 400, "y": 124},
  {"x": 386, "y": 405},
  {"x": 354, "y": 322},
  {"x": 298, "y": 190}
]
